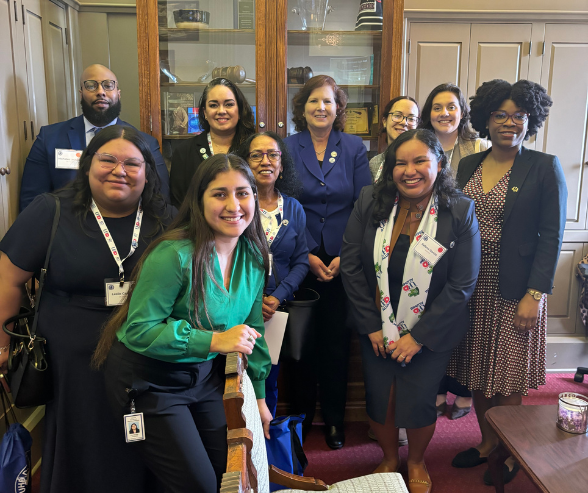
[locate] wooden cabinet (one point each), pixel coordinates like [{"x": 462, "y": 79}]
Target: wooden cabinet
[{"x": 264, "y": 38}]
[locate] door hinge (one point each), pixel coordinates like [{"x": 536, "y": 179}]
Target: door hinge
[
  {"x": 66, "y": 38},
  {"x": 408, "y": 47},
  {"x": 543, "y": 50},
  {"x": 23, "y": 15},
  {"x": 530, "y": 47},
  {"x": 15, "y": 12}
]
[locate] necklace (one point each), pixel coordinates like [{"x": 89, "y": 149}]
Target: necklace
[{"x": 319, "y": 153}]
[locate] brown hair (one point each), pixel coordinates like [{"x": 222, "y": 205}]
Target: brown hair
[
  {"x": 190, "y": 224},
  {"x": 301, "y": 97}
]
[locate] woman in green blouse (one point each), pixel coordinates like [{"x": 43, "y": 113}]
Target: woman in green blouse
[{"x": 162, "y": 355}]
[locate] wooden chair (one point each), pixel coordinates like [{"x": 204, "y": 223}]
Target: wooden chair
[{"x": 247, "y": 467}]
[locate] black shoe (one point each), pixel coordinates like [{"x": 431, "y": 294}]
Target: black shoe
[
  {"x": 335, "y": 437},
  {"x": 468, "y": 458},
  {"x": 507, "y": 476},
  {"x": 441, "y": 408}
]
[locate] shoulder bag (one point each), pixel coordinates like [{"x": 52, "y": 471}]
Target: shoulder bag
[{"x": 29, "y": 373}]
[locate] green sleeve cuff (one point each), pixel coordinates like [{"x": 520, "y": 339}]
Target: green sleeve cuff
[
  {"x": 259, "y": 388},
  {"x": 199, "y": 343}
]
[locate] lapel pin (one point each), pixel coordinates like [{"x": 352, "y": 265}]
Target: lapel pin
[
  {"x": 515, "y": 189},
  {"x": 332, "y": 160},
  {"x": 334, "y": 154},
  {"x": 285, "y": 222},
  {"x": 202, "y": 150},
  {"x": 205, "y": 156},
  {"x": 452, "y": 244}
]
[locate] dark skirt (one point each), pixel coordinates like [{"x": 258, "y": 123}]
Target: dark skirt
[{"x": 416, "y": 385}]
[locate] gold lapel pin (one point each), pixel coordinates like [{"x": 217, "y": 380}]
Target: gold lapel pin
[{"x": 515, "y": 189}]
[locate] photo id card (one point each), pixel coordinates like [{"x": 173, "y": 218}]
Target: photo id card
[
  {"x": 67, "y": 158},
  {"x": 134, "y": 427},
  {"x": 429, "y": 249},
  {"x": 115, "y": 293}
]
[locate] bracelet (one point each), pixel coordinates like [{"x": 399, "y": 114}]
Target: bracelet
[{"x": 420, "y": 344}]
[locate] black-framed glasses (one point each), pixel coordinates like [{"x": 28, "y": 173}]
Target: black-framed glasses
[
  {"x": 92, "y": 85},
  {"x": 398, "y": 117},
  {"x": 131, "y": 165},
  {"x": 518, "y": 118},
  {"x": 257, "y": 157}
]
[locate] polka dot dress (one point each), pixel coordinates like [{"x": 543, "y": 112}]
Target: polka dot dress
[{"x": 494, "y": 357}]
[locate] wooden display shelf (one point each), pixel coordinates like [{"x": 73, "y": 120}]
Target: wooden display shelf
[
  {"x": 336, "y": 38},
  {"x": 342, "y": 86},
  {"x": 201, "y": 84},
  {"x": 209, "y": 36}
]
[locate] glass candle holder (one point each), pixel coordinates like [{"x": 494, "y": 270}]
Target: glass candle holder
[{"x": 572, "y": 415}]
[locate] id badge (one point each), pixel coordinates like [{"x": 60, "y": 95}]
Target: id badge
[
  {"x": 67, "y": 158},
  {"x": 115, "y": 293},
  {"x": 429, "y": 249},
  {"x": 134, "y": 427}
]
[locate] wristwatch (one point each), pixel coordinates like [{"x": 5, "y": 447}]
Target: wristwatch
[{"x": 535, "y": 294}]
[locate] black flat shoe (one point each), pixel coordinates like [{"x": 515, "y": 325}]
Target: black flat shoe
[
  {"x": 468, "y": 458},
  {"x": 441, "y": 408},
  {"x": 507, "y": 476},
  {"x": 459, "y": 412},
  {"x": 335, "y": 437}
]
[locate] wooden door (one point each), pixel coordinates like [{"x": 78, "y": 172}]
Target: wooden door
[
  {"x": 35, "y": 62},
  {"x": 562, "y": 306},
  {"x": 565, "y": 76},
  {"x": 57, "y": 67},
  {"x": 498, "y": 51},
  {"x": 13, "y": 111},
  {"x": 438, "y": 53}
]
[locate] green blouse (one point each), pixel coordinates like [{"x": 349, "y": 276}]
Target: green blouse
[{"x": 159, "y": 321}]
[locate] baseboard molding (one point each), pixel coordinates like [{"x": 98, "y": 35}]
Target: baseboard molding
[{"x": 565, "y": 354}]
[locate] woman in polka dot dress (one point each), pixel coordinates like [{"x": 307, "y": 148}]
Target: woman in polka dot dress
[{"x": 520, "y": 197}]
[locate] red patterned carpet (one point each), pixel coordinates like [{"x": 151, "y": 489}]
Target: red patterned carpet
[{"x": 361, "y": 455}]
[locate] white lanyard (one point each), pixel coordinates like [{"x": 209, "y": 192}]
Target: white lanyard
[
  {"x": 271, "y": 233},
  {"x": 210, "y": 144},
  {"x": 110, "y": 241}
]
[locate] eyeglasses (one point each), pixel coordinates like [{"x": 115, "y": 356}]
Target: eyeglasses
[
  {"x": 399, "y": 118},
  {"x": 518, "y": 118},
  {"x": 131, "y": 166},
  {"x": 92, "y": 85},
  {"x": 257, "y": 157}
]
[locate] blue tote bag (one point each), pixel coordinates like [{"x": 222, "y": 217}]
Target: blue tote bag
[
  {"x": 284, "y": 448},
  {"x": 15, "y": 453}
]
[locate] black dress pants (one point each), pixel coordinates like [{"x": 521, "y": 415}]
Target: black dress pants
[
  {"x": 182, "y": 404},
  {"x": 328, "y": 361}
]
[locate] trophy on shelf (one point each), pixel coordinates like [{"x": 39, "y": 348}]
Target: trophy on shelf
[
  {"x": 370, "y": 16},
  {"x": 313, "y": 13},
  {"x": 235, "y": 74}
]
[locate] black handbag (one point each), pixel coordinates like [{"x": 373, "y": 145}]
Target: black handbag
[
  {"x": 29, "y": 374},
  {"x": 300, "y": 328}
]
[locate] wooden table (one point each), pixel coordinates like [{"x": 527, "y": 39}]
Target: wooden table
[{"x": 555, "y": 461}]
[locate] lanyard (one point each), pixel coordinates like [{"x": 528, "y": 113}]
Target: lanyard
[
  {"x": 270, "y": 234},
  {"x": 210, "y": 144},
  {"x": 110, "y": 241}
]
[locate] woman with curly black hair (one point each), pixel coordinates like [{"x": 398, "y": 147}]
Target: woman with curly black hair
[
  {"x": 284, "y": 223},
  {"x": 520, "y": 197},
  {"x": 409, "y": 262},
  {"x": 446, "y": 112}
]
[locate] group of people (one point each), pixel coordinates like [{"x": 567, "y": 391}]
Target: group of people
[{"x": 441, "y": 258}]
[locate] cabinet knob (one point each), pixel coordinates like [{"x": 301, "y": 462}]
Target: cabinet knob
[
  {"x": 2, "y": 171},
  {"x": 281, "y": 124},
  {"x": 7, "y": 170},
  {"x": 261, "y": 125}
]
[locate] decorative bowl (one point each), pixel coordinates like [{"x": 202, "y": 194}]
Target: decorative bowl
[{"x": 191, "y": 19}]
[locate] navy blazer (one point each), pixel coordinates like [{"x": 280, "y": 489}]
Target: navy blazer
[
  {"x": 330, "y": 191},
  {"x": 534, "y": 220},
  {"x": 186, "y": 157},
  {"x": 41, "y": 176},
  {"x": 290, "y": 252},
  {"x": 446, "y": 317}
]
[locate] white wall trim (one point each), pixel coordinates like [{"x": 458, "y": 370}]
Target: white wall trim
[
  {"x": 109, "y": 8},
  {"x": 71, "y": 3},
  {"x": 443, "y": 15}
]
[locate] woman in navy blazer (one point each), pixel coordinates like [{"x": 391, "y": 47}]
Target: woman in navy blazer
[
  {"x": 520, "y": 197},
  {"x": 402, "y": 393},
  {"x": 284, "y": 223},
  {"x": 333, "y": 167}
]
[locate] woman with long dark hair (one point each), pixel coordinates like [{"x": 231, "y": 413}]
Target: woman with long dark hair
[
  {"x": 226, "y": 120},
  {"x": 409, "y": 262},
  {"x": 113, "y": 201},
  {"x": 198, "y": 294}
]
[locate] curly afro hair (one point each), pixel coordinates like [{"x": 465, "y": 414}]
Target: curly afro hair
[{"x": 527, "y": 95}]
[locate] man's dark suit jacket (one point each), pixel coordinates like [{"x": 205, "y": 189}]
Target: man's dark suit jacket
[
  {"x": 534, "y": 220},
  {"x": 41, "y": 176},
  {"x": 446, "y": 317}
]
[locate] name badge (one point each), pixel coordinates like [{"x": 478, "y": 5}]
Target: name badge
[
  {"x": 134, "y": 427},
  {"x": 67, "y": 158},
  {"x": 115, "y": 293},
  {"x": 429, "y": 249}
]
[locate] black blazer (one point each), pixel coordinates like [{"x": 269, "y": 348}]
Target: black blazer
[
  {"x": 446, "y": 317},
  {"x": 534, "y": 220},
  {"x": 185, "y": 159}
]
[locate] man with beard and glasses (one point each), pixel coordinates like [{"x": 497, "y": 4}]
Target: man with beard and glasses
[{"x": 53, "y": 160}]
